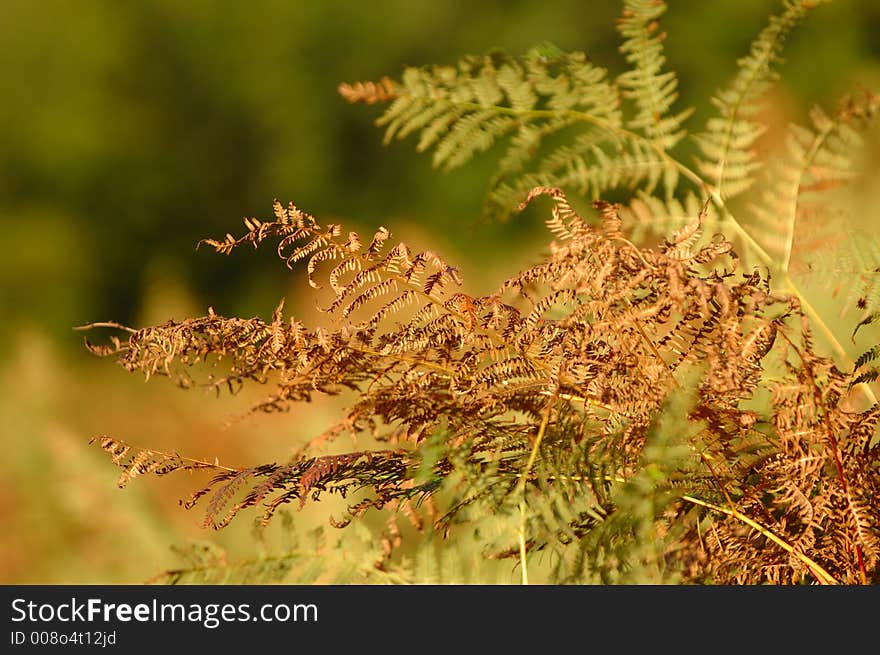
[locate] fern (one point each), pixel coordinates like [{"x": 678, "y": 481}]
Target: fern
[
  {"x": 818, "y": 159},
  {"x": 653, "y": 91},
  {"x": 850, "y": 270},
  {"x": 571, "y": 361},
  {"x": 728, "y": 160},
  {"x": 643, "y": 403},
  {"x": 467, "y": 109},
  {"x": 347, "y": 557},
  {"x": 598, "y": 145}
]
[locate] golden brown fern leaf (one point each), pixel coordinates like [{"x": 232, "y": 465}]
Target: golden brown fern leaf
[
  {"x": 369, "y": 92},
  {"x": 585, "y": 348}
]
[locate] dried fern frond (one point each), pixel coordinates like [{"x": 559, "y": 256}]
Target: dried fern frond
[
  {"x": 368, "y": 92},
  {"x": 550, "y": 384},
  {"x": 141, "y": 461}
]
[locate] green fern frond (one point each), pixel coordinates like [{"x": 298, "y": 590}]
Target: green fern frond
[
  {"x": 654, "y": 92},
  {"x": 589, "y": 167},
  {"x": 818, "y": 159},
  {"x": 862, "y": 372},
  {"x": 727, "y": 157},
  {"x": 312, "y": 557},
  {"x": 203, "y": 562},
  {"x": 558, "y": 114},
  {"x": 463, "y": 110}
]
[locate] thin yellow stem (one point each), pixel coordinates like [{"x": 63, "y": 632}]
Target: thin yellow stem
[
  {"x": 106, "y": 324},
  {"x": 815, "y": 568},
  {"x": 521, "y": 533},
  {"x": 583, "y": 400},
  {"x": 522, "y": 490},
  {"x": 821, "y": 574},
  {"x": 787, "y": 280},
  {"x": 534, "y": 454}
]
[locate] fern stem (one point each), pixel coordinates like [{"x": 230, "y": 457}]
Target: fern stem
[
  {"x": 818, "y": 142},
  {"x": 106, "y": 324},
  {"x": 521, "y": 534},
  {"x": 522, "y": 489},
  {"x": 818, "y": 572},
  {"x": 656, "y": 352},
  {"x": 398, "y": 357},
  {"x": 838, "y": 464},
  {"x": 534, "y": 454},
  {"x": 730, "y": 219},
  {"x": 815, "y": 569},
  {"x": 585, "y": 400},
  {"x": 732, "y": 507},
  {"x": 768, "y": 261}
]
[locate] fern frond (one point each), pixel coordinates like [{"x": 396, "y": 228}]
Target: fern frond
[
  {"x": 727, "y": 157},
  {"x": 589, "y": 166},
  {"x": 531, "y": 101},
  {"x": 349, "y": 557},
  {"x": 851, "y": 270},
  {"x": 654, "y": 92},
  {"x": 818, "y": 159},
  {"x": 142, "y": 461},
  {"x": 553, "y": 379}
]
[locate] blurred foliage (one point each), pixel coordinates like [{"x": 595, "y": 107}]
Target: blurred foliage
[{"x": 128, "y": 131}]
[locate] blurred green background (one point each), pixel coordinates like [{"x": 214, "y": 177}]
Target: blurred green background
[{"x": 130, "y": 130}]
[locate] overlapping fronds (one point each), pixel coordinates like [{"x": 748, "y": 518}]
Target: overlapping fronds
[
  {"x": 544, "y": 402},
  {"x": 642, "y": 404},
  {"x": 566, "y": 123},
  {"x": 818, "y": 159},
  {"x": 326, "y": 556},
  {"x": 728, "y": 159},
  {"x": 850, "y": 270},
  {"x": 134, "y": 462},
  {"x": 648, "y": 217},
  {"x": 559, "y": 114},
  {"x": 344, "y": 557},
  {"x": 816, "y": 478}
]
